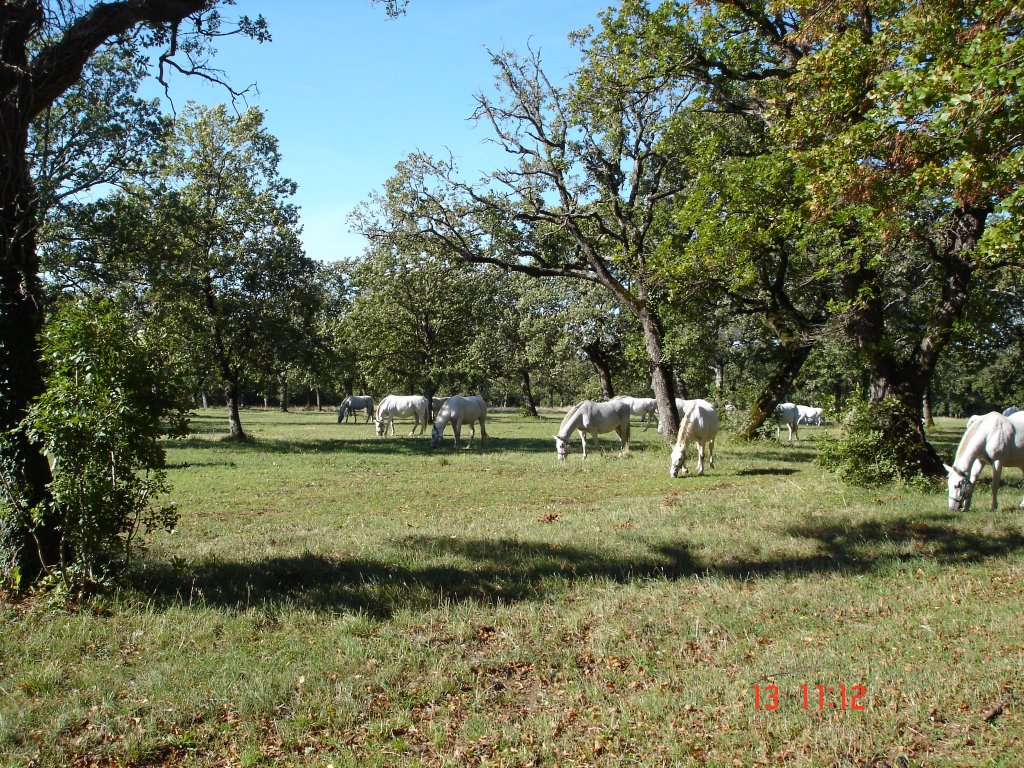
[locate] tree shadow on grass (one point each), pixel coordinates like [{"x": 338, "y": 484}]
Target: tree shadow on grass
[
  {"x": 504, "y": 571},
  {"x": 768, "y": 471}
]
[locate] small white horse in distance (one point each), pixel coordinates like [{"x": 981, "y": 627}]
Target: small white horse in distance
[
  {"x": 990, "y": 439},
  {"x": 788, "y": 414},
  {"x": 401, "y": 406},
  {"x": 1010, "y": 411},
  {"x": 699, "y": 425},
  {"x": 592, "y": 419},
  {"x": 640, "y": 406},
  {"x": 811, "y": 415},
  {"x": 354, "y": 403},
  {"x": 459, "y": 410}
]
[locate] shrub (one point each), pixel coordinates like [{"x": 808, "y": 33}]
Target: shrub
[
  {"x": 109, "y": 397},
  {"x": 876, "y": 445}
]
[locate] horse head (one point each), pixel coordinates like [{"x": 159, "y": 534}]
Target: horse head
[
  {"x": 435, "y": 436},
  {"x": 380, "y": 427},
  {"x": 676, "y": 461},
  {"x": 960, "y": 489},
  {"x": 562, "y": 447}
]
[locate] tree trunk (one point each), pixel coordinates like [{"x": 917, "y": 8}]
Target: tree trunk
[
  {"x": 661, "y": 373},
  {"x": 30, "y": 547},
  {"x": 776, "y": 390},
  {"x": 907, "y": 380},
  {"x": 231, "y": 394},
  {"x": 206, "y": 404},
  {"x": 929, "y": 420},
  {"x": 282, "y": 388},
  {"x": 599, "y": 359},
  {"x": 316, "y": 392},
  {"x": 524, "y": 384}
]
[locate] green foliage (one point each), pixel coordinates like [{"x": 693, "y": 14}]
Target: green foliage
[
  {"x": 875, "y": 445},
  {"x": 110, "y": 396}
]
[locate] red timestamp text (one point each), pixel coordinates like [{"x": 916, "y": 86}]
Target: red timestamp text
[{"x": 813, "y": 697}]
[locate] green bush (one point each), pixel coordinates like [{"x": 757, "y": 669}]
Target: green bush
[
  {"x": 110, "y": 396},
  {"x": 876, "y": 445}
]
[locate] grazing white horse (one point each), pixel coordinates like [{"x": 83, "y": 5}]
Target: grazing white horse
[
  {"x": 592, "y": 418},
  {"x": 788, "y": 414},
  {"x": 401, "y": 406},
  {"x": 699, "y": 425},
  {"x": 810, "y": 414},
  {"x": 353, "y": 403},
  {"x": 460, "y": 410},
  {"x": 640, "y": 406},
  {"x": 991, "y": 439}
]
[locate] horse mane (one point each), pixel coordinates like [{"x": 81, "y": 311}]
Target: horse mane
[
  {"x": 968, "y": 434},
  {"x": 569, "y": 415},
  {"x": 686, "y": 424}
]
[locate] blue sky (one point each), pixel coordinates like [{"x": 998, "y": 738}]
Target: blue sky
[{"x": 350, "y": 92}]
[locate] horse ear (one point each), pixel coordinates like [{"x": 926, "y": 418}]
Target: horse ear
[{"x": 948, "y": 468}]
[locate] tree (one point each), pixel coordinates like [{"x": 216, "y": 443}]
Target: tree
[
  {"x": 900, "y": 122},
  {"x": 413, "y": 322},
  {"x": 213, "y": 242},
  {"x": 45, "y": 47},
  {"x": 583, "y": 200}
]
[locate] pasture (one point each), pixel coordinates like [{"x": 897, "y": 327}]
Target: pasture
[{"x": 333, "y": 598}]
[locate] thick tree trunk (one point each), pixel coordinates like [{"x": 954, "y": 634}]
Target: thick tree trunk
[
  {"x": 776, "y": 390},
  {"x": 661, "y": 373},
  {"x": 907, "y": 380},
  {"x": 524, "y": 385},
  {"x": 30, "y": 547}
]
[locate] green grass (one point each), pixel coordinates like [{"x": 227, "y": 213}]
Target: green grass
[{"x": 334, "y": 598}]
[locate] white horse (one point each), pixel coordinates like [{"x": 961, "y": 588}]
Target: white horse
[
  {"x": 1011, "y": 410},
  {"x": 810, "y": 414},
  {"x": 640, "y": 406},
  {"x": 594, "y": 418},
  {"x": 353, "y": 403},
  {"x": 401, "y": 406},
  {"x": 460, "y": 410},
  {"x": 699, "y": 424},
  {"x": 788, "y": 414},
  {"x": 991, "y": 439}
]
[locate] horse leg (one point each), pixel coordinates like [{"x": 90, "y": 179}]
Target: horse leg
[
  {"x": 997, "y": 472},
  {"x": 711, "y": 453},
  {"x": 583, "y": 441},
  {"x": 700, "y": 458},
  {"x": 483, "y": 430}
]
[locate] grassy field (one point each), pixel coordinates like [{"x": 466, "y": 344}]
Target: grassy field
[{"x": 331, "y": 598}]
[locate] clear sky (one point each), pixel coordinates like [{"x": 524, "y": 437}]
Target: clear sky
[{"x": 350, "y": 92}]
